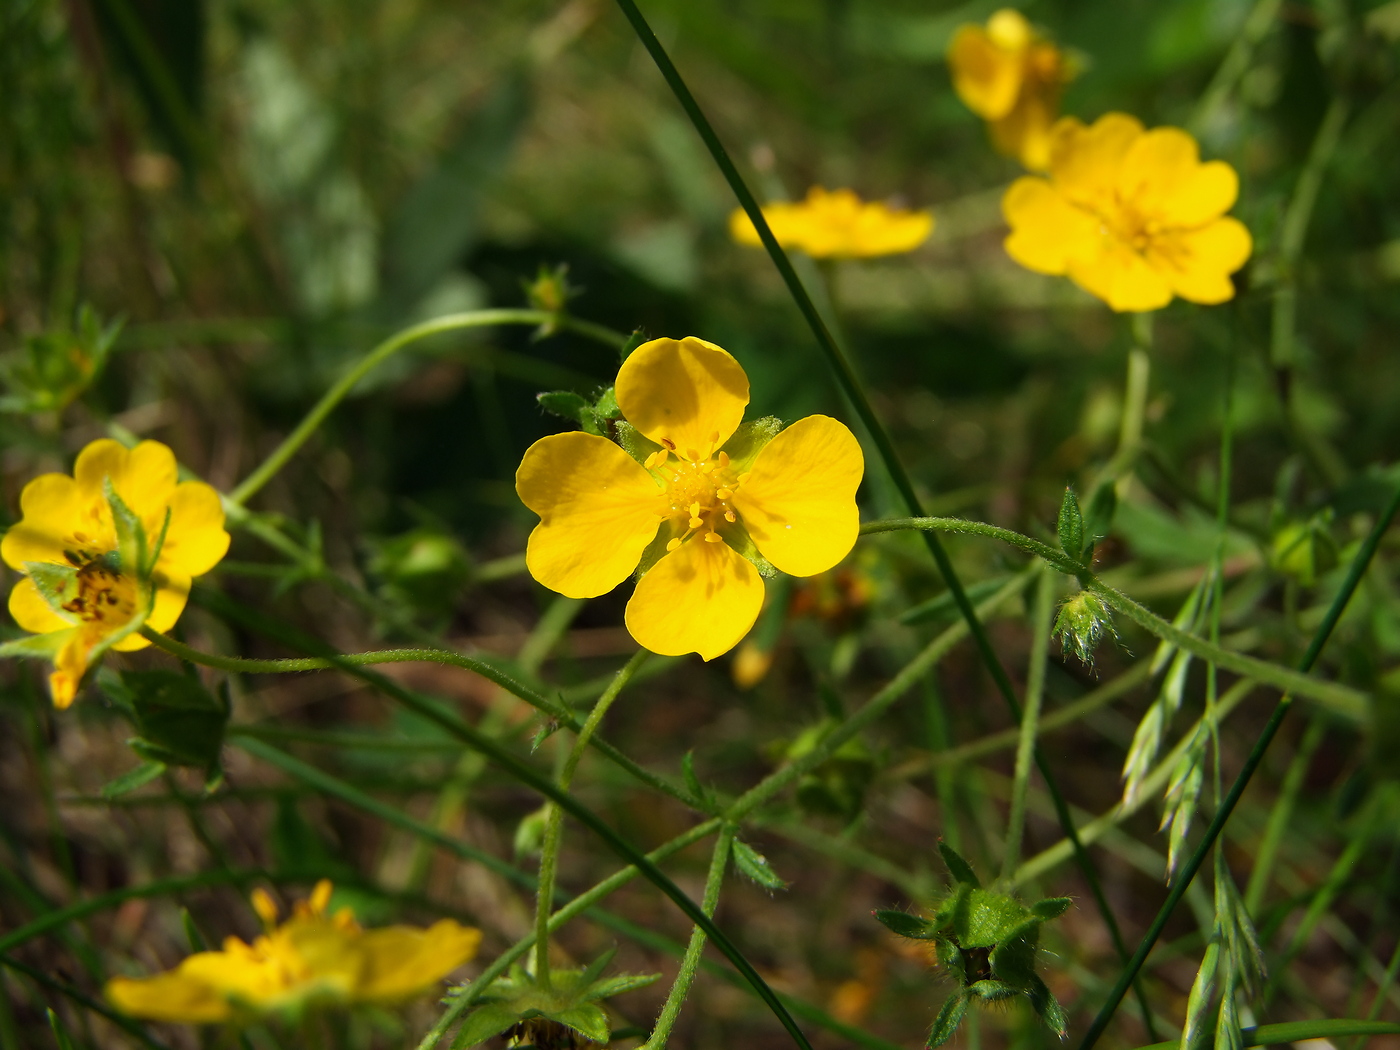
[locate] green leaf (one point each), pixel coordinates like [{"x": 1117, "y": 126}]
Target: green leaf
[
  {"x": 586, "y": 1019},
  {"x": 1051, "y": 907},
  {"x": 960, "y": 869},
  {"x": 1098, "y": 522},
  {"x": 692, "y": 782},
  {"x": 482, "y": 1023},
  {"x": 60, "y": 1033},
  {"x": 947, "y": 1021},
  {"x": 754, "y": 865},
  {"x": 1047, "y": 1007},
  {"x": 192, "y": 934},
  {"x": 133, "y": 779},
  {"x": 37, "y": 646},
  {"x": 177, "y": 717},
  {"x": 906, "y": 925},
  {"x": 1071, "y": 525},
  {"x": 57, "y": 584}
]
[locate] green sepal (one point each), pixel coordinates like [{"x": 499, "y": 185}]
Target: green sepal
[
  {"x": 947, "y": 1021},
  {"x": 906, "y": 925},
  {"x": 960, "y": 869},
  {"x": 482, "y": 1023},
  {"x": 749, "y": 440},
  {"x": 992, "y": 990},
  {"x": 1047, "y": 1007},
  {"x": 1013, "y": 959},
  {"x": 754, "y": 866},
  {"x": 131, "y": 533},
  {"x": 951, "y": 958},
  {"x": 1051, "y": 908},
  {"x": 37, "y": 646},
  {"x": 1071, "y": 525},
  {"x": 636, "y": 339},
  {"x": 654, "y": 551},
  {"x": 57, "y": 584},
  {"x": 133, "y": 779},
  {"x": 606, "y": 407},
  {"x": 586, "y": 1019},
  {"x": 623, "y": 982},
  {"x": 568, "y": 405},
  {"x": 633, "y": 442}
]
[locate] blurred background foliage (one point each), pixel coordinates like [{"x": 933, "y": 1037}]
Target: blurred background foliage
[{"x": 208, "y": 210}]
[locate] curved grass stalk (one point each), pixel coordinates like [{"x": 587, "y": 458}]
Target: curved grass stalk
[{"x": 381, "y": 353}]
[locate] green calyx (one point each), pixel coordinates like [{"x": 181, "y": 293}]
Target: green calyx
[
  {"x": 562, "y": 1016},
  {"x": 987, "y": 942}
]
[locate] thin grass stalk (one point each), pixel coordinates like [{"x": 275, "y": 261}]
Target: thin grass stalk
[
  {"x": 1041, "y": 616},
  {"x": 1358, "y": 568}
]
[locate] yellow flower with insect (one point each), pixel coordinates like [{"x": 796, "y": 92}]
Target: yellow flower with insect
[
  {"x": 1130, "y": 215},
  {"x": 1011, "y": 77},
  {"x": 697, "y": 501},
  {"x": 311, "y": 960},
  {"x": 837, "y": 225},
  {"x": 104, "y": 552}
]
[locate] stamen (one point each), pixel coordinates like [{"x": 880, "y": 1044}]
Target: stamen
[
  {"x": 673, "y": 544},
  {"x": 707, "y": 466},
  {"x": 669, "y": 444},
  {"x": 692, "y": 455},
  {"x": 723, "y": 494},
  {"x": 712, "y": 537},
  {"x": 729, "y": 515},
  {"x": 723, "y": 459},
  {"x": 714, "y": 437}
]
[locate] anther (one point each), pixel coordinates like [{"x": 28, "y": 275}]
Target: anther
[
  {"x": 692, "y": 455},
  {"x": 714, "y": 436},
  {"x": 673, "y": 544},
  {"x": 723, "y": 493},
  {"x": 712, "y": 537},
  {"x": 729, "y": 515},
  {"x": 671, "y": 445},
  {"x": 707, "y": 466},
  {"x": 723, "y": 459}
]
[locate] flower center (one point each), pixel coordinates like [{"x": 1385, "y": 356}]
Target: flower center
[
  {"x": 1126, "y": 223},
  {"x": 105, "y": 597},
  {"x": 699, "y": 487}
]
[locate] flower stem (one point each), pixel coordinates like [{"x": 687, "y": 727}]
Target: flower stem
[
  {"x": 1030, "y": 718},
  {"x": 554, "y": 820},
  {"x": 675, "y": 999},
  {"x": 381, "y": 353},
  {"x": 1134, "y": 400}
]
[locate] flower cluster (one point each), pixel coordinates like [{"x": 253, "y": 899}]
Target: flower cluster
[
  {"x": 104, "y": 552},
  {"x": 837, "y": 225},
  {"x": 696, "y": 499},
  {"x": 311, "y": 960},
  {"x": 1011, "y": 76}
]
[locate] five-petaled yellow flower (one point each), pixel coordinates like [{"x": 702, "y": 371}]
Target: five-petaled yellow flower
[
  {"x": 1131, "y": 216},
  {"x": 698, "y": 499},
  {"x": 310, "y": 960},
  {"x": 69, "y": 537},
  {"x": 1011, "y": 77},
  {"x": 836, "y": 225}
]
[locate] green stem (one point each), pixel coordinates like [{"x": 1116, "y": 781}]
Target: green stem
[
  {"x": 680, "y": 988},
  {"x": 1338, "y": 698},
  {"x": 1359, "y": 564},
  {"x": 1281, "y": 816},
  {"x": 1134, "y": 400},
  {"x": 1030, "y": 717},
  {"x": 1235, "y": 64},
  {"x": 554, "y": 820},
  {"x": 377, "y": 356}
]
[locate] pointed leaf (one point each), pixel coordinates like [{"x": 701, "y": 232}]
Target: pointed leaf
[
  {"x": 586, "y": 1019},
  {"x": 1047, "y": 1007},
  {"x": 133, "y": 779},
  {"x": 960, "y": 869},
  {"x": 907, "y": 925},
  {"x": 1071, "y": 525},
  {"x": 947, "y": 1021},
  {"x": 1051, "y": 907},
  {"x": 595, "y": 969},
  {"x": 59, "y": 1032},
  {"x": 482, "y": 1023},
  {"x": 754, "y": 865}
]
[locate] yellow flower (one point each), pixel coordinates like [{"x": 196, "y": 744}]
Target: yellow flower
[
  {"x": 1011, "y": 77},
  {"x": 71, "y": 536},
  {"x": 695, "y": 500},
  {"x": 1129, "y": 215},
  {"x": 837, "y": 225},
  {"x": 309, "y": 960}
]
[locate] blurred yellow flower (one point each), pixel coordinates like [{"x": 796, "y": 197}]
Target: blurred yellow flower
[
  {"x": 1131, "y": 216},
  {"x": 1011, "y": 77},
  {"x": 82, "y": 542},
  {"x": 837, "y": 224},
  {"x": 699, "y": 500},
  {"x": 309, "y": 960}
]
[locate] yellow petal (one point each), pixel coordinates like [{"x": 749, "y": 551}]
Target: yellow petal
[
  {"x": 1163, "y": 177},
  {"x": 799, "y": 500},
  {"x": 31, "y": 612},
  {"x": 685, "y": 391},
  {"x": 172, "y": 592},
  {"x": 1122, "y": 278},
  {"x": 144, "y": 476},
  {"x": 986, "y": 76},
  {"x": 881, "y": 230},
  {"x": 701, "y": 598},
  {"x": 173, "y": 997},
  {"x": 598, "y": 510},
  {"x": 195, "y": 540},
  {"x": 1085, "y": 162},
  {"x": 1025, "y": 132},
  {"x": 1198, "y": 263},
  {"x": 402, "y": 961},
  {"x": 69, "y": 665},
  {"x": 1047, "y": 231},
  {"x": 51, "y": 507}
]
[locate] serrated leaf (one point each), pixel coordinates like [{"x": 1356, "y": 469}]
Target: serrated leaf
[
  {"x": 754, "y": 865},
  {"x": 1051, "y": 907},
  {"x": 1070, "y": 527},
  {"x": 960, "y": 869},
  {"x": 623, "y": 982},
  {"x": 1047, "y": 1007},
  {"x": 947, "y": 1021},
  {"x": 906, "y": 925},
  {"x": 482, "y": 1023},
  {"x": 133, "y": 779},
  {"x": 56, "y": 584},
  {"x": 586, "y": 1019}
]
